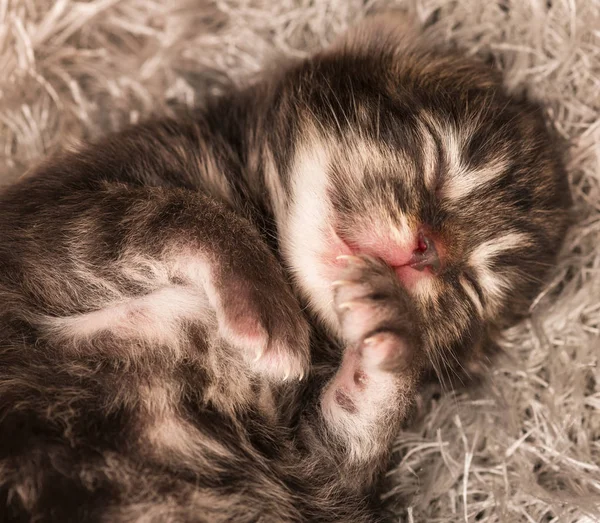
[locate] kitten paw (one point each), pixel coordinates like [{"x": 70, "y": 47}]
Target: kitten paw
[
  {"x": 375, "y": 312},
  {"x": 378, "y": 373},
  {"x": 265, "y": 322}
]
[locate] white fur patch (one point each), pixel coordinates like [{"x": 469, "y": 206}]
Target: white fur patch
[
  {"x": 495, "y": 285},
  {"x": 473, "y": 296},
  {"x": 304, "y": 237},
  {"x": 459, "y": 180},
  {"x": 273, "y": 182},
  {"x": 430, "y": 159},
  {"x": 426, "y": 288},
  {"x": 462, "y": 182},
  {"x": 483, "y": 254},
  {"x": 171, "y": 436},
  {"x": 154, "y": 317},
  {"x": 401, "y": 233}
]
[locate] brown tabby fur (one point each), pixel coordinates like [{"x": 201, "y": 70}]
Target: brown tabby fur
[{"x": 170, "y": 340}]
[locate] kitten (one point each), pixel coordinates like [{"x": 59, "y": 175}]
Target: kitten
[{"x": 225, "y": 317}]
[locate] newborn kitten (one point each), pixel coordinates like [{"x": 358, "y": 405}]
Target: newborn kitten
[{"x": 225, "y": 317}]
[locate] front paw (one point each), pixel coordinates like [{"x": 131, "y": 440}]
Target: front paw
[
  {"x": 375, "y": 313},
  {"x": 376, "y": 380}
]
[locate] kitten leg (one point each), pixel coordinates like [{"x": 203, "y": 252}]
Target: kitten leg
[
  {"x": 365, "y": 401},
  {"x": 140, "y": 262}
]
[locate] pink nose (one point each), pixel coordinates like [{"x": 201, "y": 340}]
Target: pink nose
[{"x": 425, "y": 256}]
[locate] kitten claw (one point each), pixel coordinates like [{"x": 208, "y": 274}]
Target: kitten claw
[
  {"x": 340, "y": 283},
  {"x": 378, "y": 337},
  {"x": 347, "y": 305},
  {"x": 350, "y": 258},
  {"x": 370, "y": 340}
]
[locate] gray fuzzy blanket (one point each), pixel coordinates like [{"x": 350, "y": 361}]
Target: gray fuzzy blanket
[{"x": 526, "y": 446}]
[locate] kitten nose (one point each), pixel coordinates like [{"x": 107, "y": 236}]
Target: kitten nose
[{"x": 425, "y": 255}]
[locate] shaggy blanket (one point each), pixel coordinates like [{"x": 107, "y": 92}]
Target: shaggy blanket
[{"x": 524, "y": 447}]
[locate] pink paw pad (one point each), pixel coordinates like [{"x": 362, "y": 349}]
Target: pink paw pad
[{"x": 374, "y": 312}]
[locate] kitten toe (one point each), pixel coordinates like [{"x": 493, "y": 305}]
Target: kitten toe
[
  {"x": 384, "y": 350},
  {"x": 270, "y": 330},
  {"x": 281, "y": 364},
  {"x": 369, "y": 300}
]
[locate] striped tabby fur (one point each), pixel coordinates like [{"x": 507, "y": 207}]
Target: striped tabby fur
[{"x": 220, "y": 317}]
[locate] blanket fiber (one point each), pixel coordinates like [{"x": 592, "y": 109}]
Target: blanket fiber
[{"x": 524, "y": 447}]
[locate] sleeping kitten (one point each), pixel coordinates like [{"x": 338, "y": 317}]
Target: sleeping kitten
[{"x": 225, "y": 317}]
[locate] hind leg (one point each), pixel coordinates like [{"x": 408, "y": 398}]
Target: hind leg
[{"x": 158, "y": 260}]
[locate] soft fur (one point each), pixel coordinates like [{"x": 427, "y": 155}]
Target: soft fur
[{"x": 525, "y": 447}]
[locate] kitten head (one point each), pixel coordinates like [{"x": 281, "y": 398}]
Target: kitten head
[{"x": 422, "y": 159}]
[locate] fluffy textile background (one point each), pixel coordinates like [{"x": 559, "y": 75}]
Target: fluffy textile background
[{"x": 526, "y": 446}]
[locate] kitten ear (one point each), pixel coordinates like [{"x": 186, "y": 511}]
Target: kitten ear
[{"x": 382, "y": 31}]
